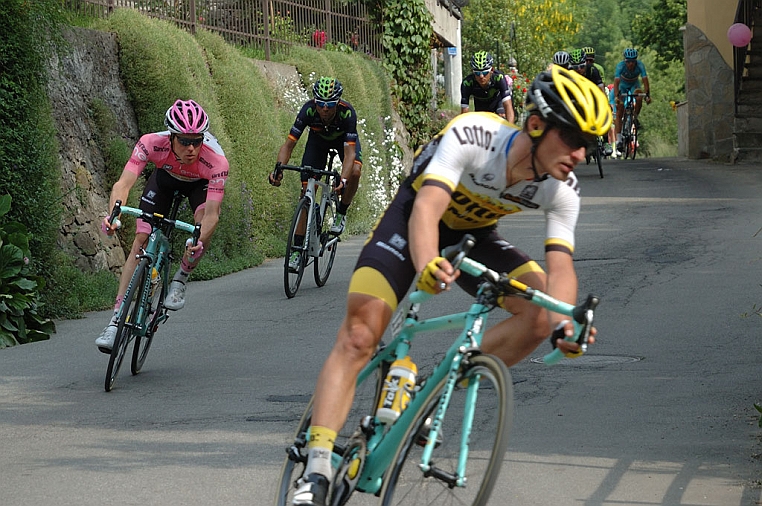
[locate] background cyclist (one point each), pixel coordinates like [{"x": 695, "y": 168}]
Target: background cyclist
[
  {"x": 488, "y": 87},
  {"x": 590, "y": 61},
  {"x": 461, "y": 183},
  {"x": 333, "y": 124},
  {"x": 561, "y": 58},
  {"x": 578, "y": 62},
  {"x": 629, "y": 72},
  {"x": 189, "y": 159}
]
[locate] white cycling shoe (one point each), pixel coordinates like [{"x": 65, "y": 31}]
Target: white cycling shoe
[
  {"x": 105, "y": 341},
  {"x": 175, "y": 298}
]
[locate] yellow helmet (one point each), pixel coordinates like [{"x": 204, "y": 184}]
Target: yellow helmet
[{"x": 569, "y": 100}]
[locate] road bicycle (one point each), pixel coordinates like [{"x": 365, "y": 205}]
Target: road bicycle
[
  {"x": 597, "y": 155},
  {"x": 630, "y": 126},
  {"x": 142, "y": 309},
  {"x": 447, "y": 446},
  {"x": 310, "y": 239}
]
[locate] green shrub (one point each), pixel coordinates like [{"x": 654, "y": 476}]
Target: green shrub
[{"x": 20, "y": 321}]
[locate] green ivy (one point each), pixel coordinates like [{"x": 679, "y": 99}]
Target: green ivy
[
  {"x": 407, "y": 56},
  {"x": 19, "y": 289}
]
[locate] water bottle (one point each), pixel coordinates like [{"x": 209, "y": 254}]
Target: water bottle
[
  {"x": 398, "y": 386},
  {"x": 155, "y": 278}
]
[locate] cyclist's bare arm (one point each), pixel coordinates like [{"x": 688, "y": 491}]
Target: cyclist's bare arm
[
  {"x": 284, "y": 155},
  {"x": 428, "y": 208},
  {"x": 120, "y": 191}
]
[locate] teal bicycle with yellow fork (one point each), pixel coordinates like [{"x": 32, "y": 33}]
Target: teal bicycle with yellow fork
[
  {"x": 142, "y": 309},
  {"x": 447, "y": 446}
]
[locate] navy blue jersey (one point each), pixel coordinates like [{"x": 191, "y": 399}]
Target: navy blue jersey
[
  {"x": 489, "y": 99},
  {"x": 342, "y": 127}
]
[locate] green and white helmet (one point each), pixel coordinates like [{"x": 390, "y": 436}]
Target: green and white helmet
[
  {"x": 327, "y": 88},
  {"x": 481, "y": 60},
  {"x": 577, "y": 56}
]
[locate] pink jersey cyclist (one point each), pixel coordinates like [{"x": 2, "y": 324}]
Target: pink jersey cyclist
[{"x": 189, "y": 161}]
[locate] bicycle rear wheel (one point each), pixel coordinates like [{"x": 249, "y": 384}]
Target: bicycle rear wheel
[
  {"x": 143, "y": 343},
  {"x": 627, "y": 135},
  {"x": 328, "y": 244},
  {"x": 599, "y": 157},
  {"x": 634, "y": 141},
  {"x": 128, "y": 322},
  {"x": 365, "y": 402},
  {"x": 292, "y": 278},
  {"x": 406, "y": 484}
]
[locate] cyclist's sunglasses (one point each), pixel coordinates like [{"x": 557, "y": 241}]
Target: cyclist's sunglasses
[
  {"x": 482, "y": 72},
  {"x": 329, "y": 104},
  {"x": 187, "y": 141},
  {"x": 576, "y": 140},
  {"x": 578, "y": 66}
]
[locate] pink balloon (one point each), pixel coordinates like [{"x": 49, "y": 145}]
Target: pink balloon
[{"x": 739, "y": 35}]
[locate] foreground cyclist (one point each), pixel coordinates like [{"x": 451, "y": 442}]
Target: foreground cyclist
[
  {"x": 188, "y": 159},
  {"x": 333, "y": 124},
  {"x": 476, "y": 170}
]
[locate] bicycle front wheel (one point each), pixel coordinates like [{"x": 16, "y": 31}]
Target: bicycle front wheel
[
  {"x": 143, "y": 343},
  {"x": 296, "y": 253},
  {"x": 128, "y": 322},
  {"x": 406, "y": 484},
  {"x": 328, "y": 244}
]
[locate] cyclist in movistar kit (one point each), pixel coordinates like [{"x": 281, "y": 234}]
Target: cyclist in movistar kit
[
  {"x": 188, "y": 159},
  {"x": 629, "y": 72},
  {"x": 476, "y": 170},
  {"x": 489, "y": 88},
  {"x": 578, "y": 62},
  {"x": 333, "y": 124}
]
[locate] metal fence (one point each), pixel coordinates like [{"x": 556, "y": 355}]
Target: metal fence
[{"x": 268, "y": 25}]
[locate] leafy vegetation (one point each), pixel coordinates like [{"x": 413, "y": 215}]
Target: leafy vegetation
[{"x": 20, "y": 322}]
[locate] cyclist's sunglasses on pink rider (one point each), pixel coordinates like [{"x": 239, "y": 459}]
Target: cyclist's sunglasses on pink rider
[
  {"x": 329, "y": 104},
  {"x": 482, "y": 72},
  {"x": 187, "y": 141},
  {"x": 576, "y": 140}
]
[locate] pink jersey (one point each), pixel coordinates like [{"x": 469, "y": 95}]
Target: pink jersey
[{"x": 211, "y": 164}]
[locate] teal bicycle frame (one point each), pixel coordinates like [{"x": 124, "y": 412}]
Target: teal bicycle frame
[{"x": 381, "y": 443}]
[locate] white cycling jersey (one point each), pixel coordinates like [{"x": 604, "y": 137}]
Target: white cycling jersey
[{"x": 469, "y": 158}]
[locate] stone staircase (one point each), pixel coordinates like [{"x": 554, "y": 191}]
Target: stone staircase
[{"x": 748, "y": 121}]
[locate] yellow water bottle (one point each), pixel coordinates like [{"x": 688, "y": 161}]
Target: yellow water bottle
[
  {"x": 154, "y": 280},
  {"x": 398, "y": 387}
]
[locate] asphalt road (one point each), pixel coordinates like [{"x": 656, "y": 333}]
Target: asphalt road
[{"x": 660, "y": 412}]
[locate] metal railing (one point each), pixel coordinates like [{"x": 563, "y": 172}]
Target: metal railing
[
  {"x": 744, "y": 14},
  {"x": 264, "y": 24}
]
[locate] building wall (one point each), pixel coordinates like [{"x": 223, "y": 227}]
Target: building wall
[{"x": 705, "y": 129}]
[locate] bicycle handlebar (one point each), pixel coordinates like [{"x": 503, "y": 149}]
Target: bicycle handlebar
[
  {"x": 155, "y": 219},
  {"x": 309, "y": 170},
  {"x": 582, "y": 314}
]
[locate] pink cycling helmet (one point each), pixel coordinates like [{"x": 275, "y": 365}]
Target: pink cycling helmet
[{"x": 186, "y": 117}]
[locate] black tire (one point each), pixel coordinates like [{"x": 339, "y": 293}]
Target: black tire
[
  {"x": 599, "y": 159},
  {"x": 143, "y": 343},
  {"x": 365, "y": 402},
  {"x": 406, "y": 484},
  {"x": 634, "y": 142},
  {"x": 324, "y": 261},
  {"x": 292, "y": 279},
  {"x": 125, "y": 330}
]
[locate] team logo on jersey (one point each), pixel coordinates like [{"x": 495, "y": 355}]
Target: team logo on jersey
[{"x": 398, "y": 241}]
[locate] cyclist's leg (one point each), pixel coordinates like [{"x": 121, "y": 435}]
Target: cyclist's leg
[
  {"x": 196, "y": 192},
  {"x": 516, "y": 337},
  {"x": 350, "y": 173},
  {"x": 379, "y": 282},
  {"x": 315, "y": 154}
]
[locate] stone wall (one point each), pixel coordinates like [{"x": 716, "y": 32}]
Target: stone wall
[
  {"x": 709, "y": 96},
  {"x": 86, "y": 70}
]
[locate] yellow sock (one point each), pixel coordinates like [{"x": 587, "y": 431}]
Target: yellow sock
[{"x": 321, "y": 437}]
